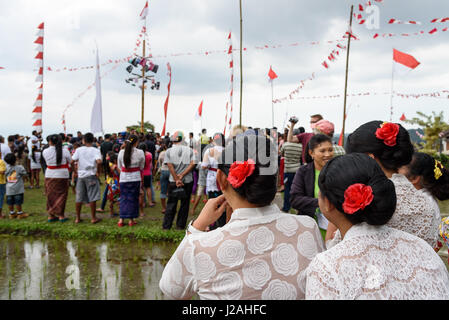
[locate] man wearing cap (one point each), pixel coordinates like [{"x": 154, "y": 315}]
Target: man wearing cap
[
  {"x": 319, "y": 127},
  {"x": 180, "y": 160}
]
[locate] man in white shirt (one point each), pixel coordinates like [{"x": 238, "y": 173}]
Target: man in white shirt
[
  {"x": 180, "y": 161},
  {"x": 89, "y": 162},
  {"x": 4, "y": 149}
]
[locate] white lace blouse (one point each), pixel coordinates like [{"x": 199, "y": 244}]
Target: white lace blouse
[
  {"x": 259, "y": 254},
  {"x": 377, "y": 262},
  {"x": 417, "y": 212}
]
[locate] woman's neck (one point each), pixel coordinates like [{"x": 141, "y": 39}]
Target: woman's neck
[{"x": 317, "y": 166}]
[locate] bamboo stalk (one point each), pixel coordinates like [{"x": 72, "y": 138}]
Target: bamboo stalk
[{"x": 346, "y": 79}]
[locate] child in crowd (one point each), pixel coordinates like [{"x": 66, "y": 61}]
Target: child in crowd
[
  {"x": 35, "y": 166},
  {"x": 14, "y": 186},
  {"x": 112, "y": 182},
  {"x": 2, "y": 183}
]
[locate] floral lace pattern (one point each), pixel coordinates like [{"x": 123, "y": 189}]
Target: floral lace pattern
[
  {"x": 377, "y": 262},
  {"x": 259, "y": 254},
  {"x": 417, "y": 212}
]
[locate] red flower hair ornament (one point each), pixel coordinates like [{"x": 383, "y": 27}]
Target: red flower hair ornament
[
  {"x": 239, "y": 171},
  {"x": 357, "y": 197},
  {"x": 388, "y": 132}
]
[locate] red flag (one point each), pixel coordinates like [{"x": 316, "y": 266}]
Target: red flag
[
  {"x": 199, "y": 113},
  {"x": 272, "y": 74},
  {"x": 41, "y": 26},
  {"x": 144, "y": 13},
  {"x": 403, "y": 118},
  {"x": 166, "y": 100},
  {"x": 405, "y": 59}
]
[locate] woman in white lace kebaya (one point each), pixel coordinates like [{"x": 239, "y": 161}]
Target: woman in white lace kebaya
[
  {"x": 372, "y": 261},
  {"x": 431, "y": 180},
  {"x": 389, "y": 144},
  {"x": 261, "y": 253}
]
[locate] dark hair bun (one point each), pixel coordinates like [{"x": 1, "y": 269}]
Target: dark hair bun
[
  {"x": 424, "y": 166},
  {"x": 364, "y": 140},
  {"x": 261, "y": 186},
  {"x": 342, "y": 172}
]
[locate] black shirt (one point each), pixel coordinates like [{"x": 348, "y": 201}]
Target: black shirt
[{"x": 105, "y": 148}]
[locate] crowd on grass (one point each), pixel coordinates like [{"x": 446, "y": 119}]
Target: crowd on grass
[{"x": 359, "y": 222}]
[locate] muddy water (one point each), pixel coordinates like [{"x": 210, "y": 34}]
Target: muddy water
[{"x": 54, "y": 269}]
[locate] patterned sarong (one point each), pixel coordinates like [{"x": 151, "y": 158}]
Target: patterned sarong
[
  {"x": 57, "y": 191},
  {"x": 129, "y": 199}
]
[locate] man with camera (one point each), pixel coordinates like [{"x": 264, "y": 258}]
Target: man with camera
[
  {"x": 319, "y": 126},
  {"x": 180, "y": 160}
]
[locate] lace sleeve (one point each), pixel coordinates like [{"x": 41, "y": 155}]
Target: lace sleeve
[
  {"x": 320, "y": 283},
  {"x": 177, "y": 281},
  {"x": 415, "y": 212}
]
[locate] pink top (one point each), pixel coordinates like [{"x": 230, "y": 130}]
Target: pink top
[{"x": 148, "y": 164}]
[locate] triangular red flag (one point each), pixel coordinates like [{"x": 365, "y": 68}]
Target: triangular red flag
[
  {"x": 41, "y": 26},
  {"x": 405, "y": 59},
  {"x": 272, "y": 74},
  {"x": 403, "y": 118}
]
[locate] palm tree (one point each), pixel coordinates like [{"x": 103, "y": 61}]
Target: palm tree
[{"x": 147, "y": 126}]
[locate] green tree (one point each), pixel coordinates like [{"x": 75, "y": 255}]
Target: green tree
[
  {"x": 147, "y": 126},
  {"x": 432, "y": 125}
]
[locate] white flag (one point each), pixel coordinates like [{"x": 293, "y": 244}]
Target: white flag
[
  {"x": 96, "y": 120},
  {"x": 144, "y": 13}
]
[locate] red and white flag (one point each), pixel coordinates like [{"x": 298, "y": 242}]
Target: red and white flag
[
  {"x": 272, "y": 75},
  {"x": 199, "y": 112},
  {"x": 144, "y": 13},
  {"x": 403, "y": 62}
]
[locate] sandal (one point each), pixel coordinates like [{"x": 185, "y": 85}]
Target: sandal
[
  {"x": 52, "y": 219},
  {"x": 120, "y": 224},
  {"x": 132, "y": 223},
  {"x": 95, "y": 221},
  {"x": 63, "y": 220},
  {"x": 78, "y": 221}
]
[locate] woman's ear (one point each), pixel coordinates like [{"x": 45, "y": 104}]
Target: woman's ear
[
  {"x": 310, "y": 153},
  {"x": 222, "y": 180},
  {"x": 371, "y": 155}
]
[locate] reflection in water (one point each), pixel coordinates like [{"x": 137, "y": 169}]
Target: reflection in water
[
  {"x": 110, "y": 275},
  {"x": 55, "y": 269}
]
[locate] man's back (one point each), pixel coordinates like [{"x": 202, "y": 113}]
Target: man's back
[{"x": 180, "y": 157}]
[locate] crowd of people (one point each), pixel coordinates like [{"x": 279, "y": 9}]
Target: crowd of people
[{"x": 359, "y": 222}]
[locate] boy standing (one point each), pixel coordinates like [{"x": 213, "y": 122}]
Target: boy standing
[
  {"x": 88, "y": 186},
  {"x": 14, "y": 186}
]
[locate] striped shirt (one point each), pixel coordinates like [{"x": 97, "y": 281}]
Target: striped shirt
[
  {"x": 292, "y": 153},
  {"x": 338, "y": 150}
]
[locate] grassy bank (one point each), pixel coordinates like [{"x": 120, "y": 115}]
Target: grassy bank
[{"x": 149, "y": 227}]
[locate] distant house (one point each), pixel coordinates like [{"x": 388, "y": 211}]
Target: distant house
[{"x": 445, "y": 139}]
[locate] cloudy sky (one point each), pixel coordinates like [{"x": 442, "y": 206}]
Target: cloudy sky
[{"x": 73, "y": 27}]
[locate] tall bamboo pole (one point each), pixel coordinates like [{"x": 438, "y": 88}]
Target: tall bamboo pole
[
  {"x": 241, "y": 64},
  {"x": 346, "y": 80},
  {"x": 143, "y": 89}
]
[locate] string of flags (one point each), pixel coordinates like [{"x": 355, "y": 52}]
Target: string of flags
[
  {"x": 332, "y": 57},
  {"x": 37, "y": 111},
  {"x": 444, "y": 94},
  {"x": 80, "y": 95}
]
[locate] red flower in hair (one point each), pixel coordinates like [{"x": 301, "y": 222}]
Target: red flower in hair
[
  {"x": 357, "y": 197},
  {"x": 240, "y": 171},
  {"x": 388, "y": 132}
]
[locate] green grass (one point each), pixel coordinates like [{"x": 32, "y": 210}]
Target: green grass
[{"x": 149, "y": 228}]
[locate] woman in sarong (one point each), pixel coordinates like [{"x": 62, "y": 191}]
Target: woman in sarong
[{"x": 58, "y": 161}]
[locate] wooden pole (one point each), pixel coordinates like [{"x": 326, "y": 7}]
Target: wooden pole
[
  {"x": 391, "y": 97},
  {"x": 346, "y": 80},
  {"x": 143, "y": 90},
  {"x": 241, "y": 64},
  {"x": 272, "y": 105}
]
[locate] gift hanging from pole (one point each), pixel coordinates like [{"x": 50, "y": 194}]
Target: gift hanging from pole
[{"x": 37, "y": 111}]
